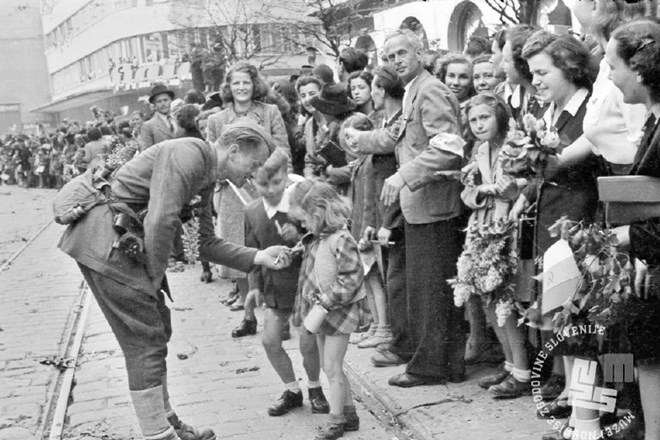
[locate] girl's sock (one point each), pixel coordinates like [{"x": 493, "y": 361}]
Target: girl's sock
[
  {"x": 508, "y": 366},
  {"x": 294, "y": 387},
  {"x": 337, "y": 418},
  {"x": 349, "y": 409}
]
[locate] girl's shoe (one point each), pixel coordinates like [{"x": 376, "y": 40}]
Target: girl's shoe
[{"x": 331, "y": 431}]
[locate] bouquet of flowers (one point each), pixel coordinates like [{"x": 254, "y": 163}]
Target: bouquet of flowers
[
  {"x": 120, "y": 153},
  {"x": 487, "y": 266},
  {"x": 526, "y": 152},
  {"x": 607, "y": 281}
]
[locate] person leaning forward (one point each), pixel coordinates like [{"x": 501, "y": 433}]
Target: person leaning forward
[
  {"x": 131, "y": 293},
  {"x": 426, "y": 141}
]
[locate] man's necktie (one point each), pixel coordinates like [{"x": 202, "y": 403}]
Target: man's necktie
[{"x": 169, "y": 120}]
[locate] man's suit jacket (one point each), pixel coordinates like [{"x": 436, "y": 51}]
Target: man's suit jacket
[
  {"x": 155, "y": 130},
  {"x": 430, "y": 109}
]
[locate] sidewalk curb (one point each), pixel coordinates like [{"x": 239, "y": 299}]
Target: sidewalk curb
[{"x": 407, "y": 426}]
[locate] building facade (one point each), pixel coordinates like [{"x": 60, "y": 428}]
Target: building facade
[
  {"x": 109, "y": 53},
  {"x": 25, "y": 83}
]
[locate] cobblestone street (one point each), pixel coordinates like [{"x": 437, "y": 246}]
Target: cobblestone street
[{"x": 215, "y": 381}]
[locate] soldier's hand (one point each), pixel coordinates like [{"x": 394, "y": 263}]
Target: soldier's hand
[{"x": 274, "y": 257}]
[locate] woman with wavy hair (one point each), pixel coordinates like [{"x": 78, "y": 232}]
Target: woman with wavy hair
[
  {"x": 633, "y": 53},
  {"x": 563, "y": 72},
  {"x": 243, "y": 94}
]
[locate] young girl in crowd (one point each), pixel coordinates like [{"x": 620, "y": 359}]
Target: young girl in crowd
[
  {"x": 490, "y": 199},
  {"x": 332, "y": 275},
  {"x": 364, "y": 198}
]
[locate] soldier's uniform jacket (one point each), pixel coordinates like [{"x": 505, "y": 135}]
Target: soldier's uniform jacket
[{"x": 163, "y": 179}]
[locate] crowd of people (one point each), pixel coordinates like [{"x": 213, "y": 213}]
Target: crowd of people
[{"x": 383, "y": 186}]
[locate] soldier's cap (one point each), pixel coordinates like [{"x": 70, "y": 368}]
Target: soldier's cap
[{"x": 245, "y": 123}]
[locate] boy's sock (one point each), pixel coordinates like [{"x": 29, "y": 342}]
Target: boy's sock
[
  {"x": 294, "y": 387},
  {"x": 313, "y": 384},
  {"x": 508, "y": 366}
]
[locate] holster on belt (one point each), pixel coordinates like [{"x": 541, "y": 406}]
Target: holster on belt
[{"x": 129, "y": 226}]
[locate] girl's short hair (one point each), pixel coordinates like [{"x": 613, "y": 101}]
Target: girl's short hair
[
  {"x": 497, "y": 105},
  {"x": 638, "y": 45},
  {"x": 452, "y": 58},
  {"x": 390, "y": 81},
  {"x": 362, "y": 74},
  {"x": 517, "y": 36},
  {"x": 327, "y": 210},
  {"x": 259, "y": 86},
  {"x": 568, "y": 55}
]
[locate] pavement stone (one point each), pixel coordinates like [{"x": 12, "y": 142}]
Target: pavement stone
[
  {"x": 41, "y": 287},
  {"x": 205, "y": 387},
  {"x": 34, "y": 311}
]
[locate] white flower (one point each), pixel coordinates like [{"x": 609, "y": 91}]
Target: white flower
[
  {"x": 461, "y": 294},
  {"x": 503, "y": 309},
  {"x": 493, "y": 280}
]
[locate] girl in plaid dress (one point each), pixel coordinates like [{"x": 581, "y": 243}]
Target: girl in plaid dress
[{"x": 331, "y": 274}]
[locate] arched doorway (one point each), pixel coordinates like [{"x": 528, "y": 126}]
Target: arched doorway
[
  {"x": 464, "y": 21},
  {"x": 416, "y": 26}
]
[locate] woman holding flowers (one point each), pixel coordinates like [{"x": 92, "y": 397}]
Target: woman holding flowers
[
  {"x": 489, "y": 192},
  {"x": 633, "y": 53},
  {"x": 563, "y": 73}
]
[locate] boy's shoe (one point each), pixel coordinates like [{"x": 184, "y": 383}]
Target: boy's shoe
[
  {"x": 510, "y": 388},
  {"x": 286, "y": 403},
  {"x": 493, "y": 379},
  {"x": 331, "y": 431},
  {"x": 187, "y": 432},
  {"x": 247, "y": 327},
  {"x": 318, "y": 401},
  {"x": 352, "y": 422},
  {"x": 553, "y": 387}
]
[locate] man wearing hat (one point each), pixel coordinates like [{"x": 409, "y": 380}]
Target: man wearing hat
[
  {"x": 130, "y": 286},
  {"x": 162, "y": 126}
]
